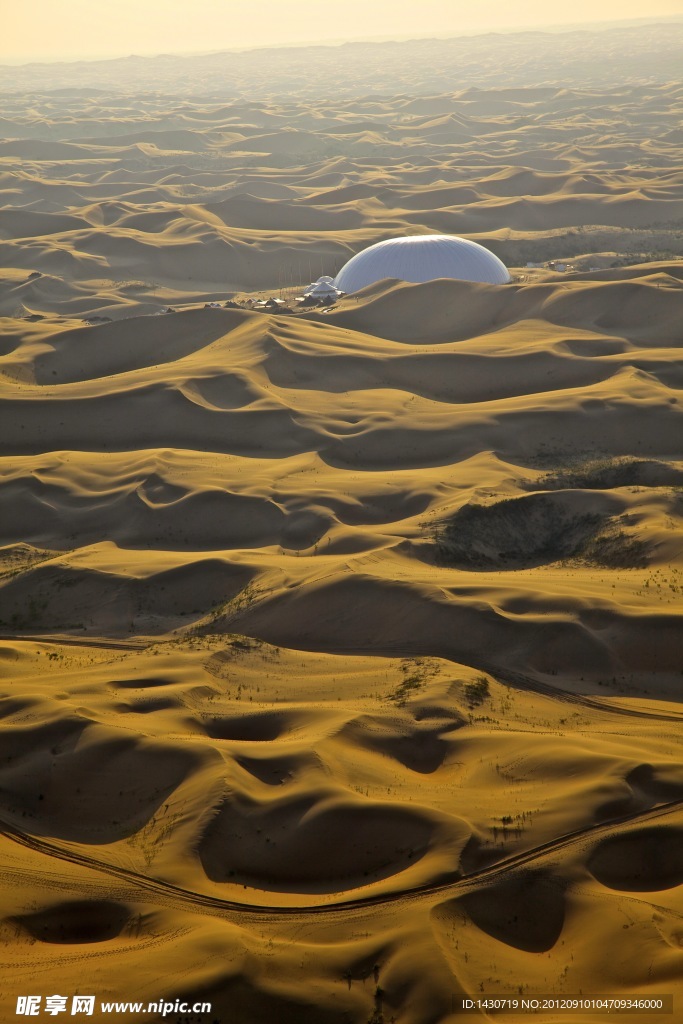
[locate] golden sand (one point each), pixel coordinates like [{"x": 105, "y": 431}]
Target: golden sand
[{"x": 341, "y": 652}]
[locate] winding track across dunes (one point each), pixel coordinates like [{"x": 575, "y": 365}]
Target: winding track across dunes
[
  {"x": 85, "y": 641},
  {"x": 458, "y": 883},
  {"x": 340, "y": 649},
  {"x": 567, "y": 697}
]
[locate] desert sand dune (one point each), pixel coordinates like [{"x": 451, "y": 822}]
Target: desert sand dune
[
  {"x": 528, "y": 171},
  {"x": 340, "y": 648}
]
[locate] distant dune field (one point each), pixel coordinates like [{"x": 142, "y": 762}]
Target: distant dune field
[{"x": 341, "y": 649}]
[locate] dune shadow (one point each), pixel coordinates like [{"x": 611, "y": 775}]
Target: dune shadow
[
  {"x": 79, "y": 921},
  {"x": 525, "y": 910},
  {"x": 645, "y": 860},
  {"x": 304, "y": 844}
]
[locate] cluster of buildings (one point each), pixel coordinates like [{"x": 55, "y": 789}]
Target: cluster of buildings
[{"x": 412, "y": 258}]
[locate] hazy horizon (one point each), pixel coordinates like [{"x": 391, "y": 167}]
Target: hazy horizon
[
  {"x": 340, "y": 627},
  {"x": 154, "y": 28}
]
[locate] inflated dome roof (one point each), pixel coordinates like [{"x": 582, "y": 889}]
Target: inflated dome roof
[{"x": 418, "y": 258}]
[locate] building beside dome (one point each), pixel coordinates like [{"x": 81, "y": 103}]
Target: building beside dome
[
  {"x": 418, "y": 258},
  {"x": 320, "y": 293},
  {"x": 322, "y": 288}
]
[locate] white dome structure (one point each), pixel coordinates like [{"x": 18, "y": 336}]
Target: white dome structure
[{"x": 417, "y": 258}]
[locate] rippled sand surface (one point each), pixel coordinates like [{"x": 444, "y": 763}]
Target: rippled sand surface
[{"x": 340, "y": 669}]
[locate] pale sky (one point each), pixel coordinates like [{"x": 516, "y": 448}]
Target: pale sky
[{"x": 57, "y": 30}]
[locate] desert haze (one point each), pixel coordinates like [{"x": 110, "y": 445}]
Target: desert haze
[{"x": 341, "y": 645}]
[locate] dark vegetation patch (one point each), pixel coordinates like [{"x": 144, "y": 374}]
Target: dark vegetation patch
[
  {"x": 605, "y": 473},
  {"x": 220, "y": 664},
  {"x": 611, "y": 547},
  {"x": 477, "y": 691},
  {"x": 415, "y": 672},
  {"x": 646, "y": 244},
  {"x": 538, "y": 529}
]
